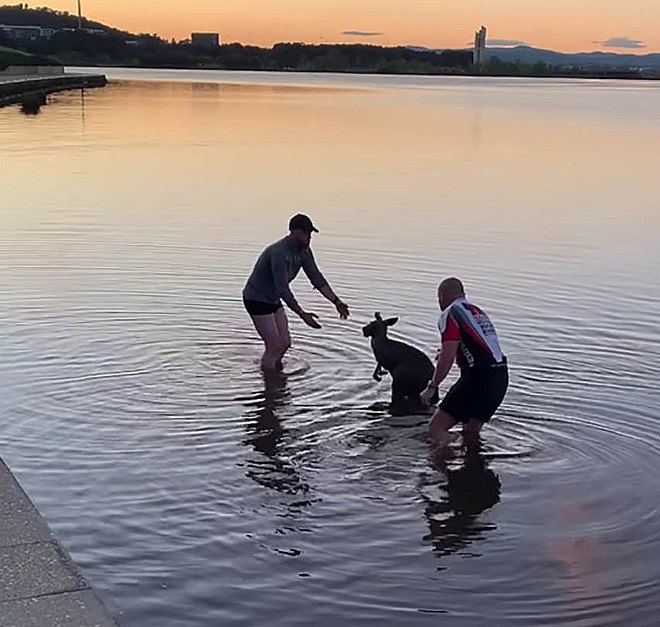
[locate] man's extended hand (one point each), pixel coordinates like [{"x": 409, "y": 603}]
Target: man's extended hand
[
  {"x": 427, "y": 395},
  {"x": 342, "y": 309},
  {"x": 310, "y": 319}
]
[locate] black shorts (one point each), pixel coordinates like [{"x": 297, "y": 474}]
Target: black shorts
[
  {"x": 259, "y": 308},
  {"x": 477, "y": 394}
]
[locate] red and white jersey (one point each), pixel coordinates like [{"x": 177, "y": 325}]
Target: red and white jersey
[{"x": 464, "y": 322}]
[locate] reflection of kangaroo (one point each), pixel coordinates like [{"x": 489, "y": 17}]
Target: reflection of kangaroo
[
  {"x": 410, "y": 368},
  {"x": 471, "y": 489}
]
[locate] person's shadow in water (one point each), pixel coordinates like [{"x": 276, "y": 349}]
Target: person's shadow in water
[
  {"x": 472, "y": 488},
  {"x": 267, "y": 435}
]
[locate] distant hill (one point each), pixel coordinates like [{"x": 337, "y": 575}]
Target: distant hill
[
  {"x": 530, "y": 56},
  {"x": 526, "y": 54},
  {"x": 17, "y": 15}
]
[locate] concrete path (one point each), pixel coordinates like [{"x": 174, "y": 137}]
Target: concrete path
[{"x": 39, "y": 584}]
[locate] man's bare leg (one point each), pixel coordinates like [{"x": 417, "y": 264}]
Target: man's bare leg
[
  {"x": 269, "y": 332},
  {"x": 282, "y": 323},
  {"x": 471, "y": 430},
  {"x": 439, "y": 428}
]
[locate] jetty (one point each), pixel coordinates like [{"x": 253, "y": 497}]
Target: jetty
[{"x": 16, "y": 88}]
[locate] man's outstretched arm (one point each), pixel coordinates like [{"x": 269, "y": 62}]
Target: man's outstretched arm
[
  {"x": 281, "y": 281},
  {"x": 281, "y": 278},
  {"x": 321, "y": 283},
  {"x": 445, "y": 361},
  {"x": 342, "y": 307}
]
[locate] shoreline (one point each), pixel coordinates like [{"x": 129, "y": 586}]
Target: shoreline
[
  {"x": 16, "y": 89},
  {"x": 39, "y": 582},
  {"x": 589, "y": 76}
]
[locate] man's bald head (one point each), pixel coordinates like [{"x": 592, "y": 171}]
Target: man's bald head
[{"x": 449, "y": 290}]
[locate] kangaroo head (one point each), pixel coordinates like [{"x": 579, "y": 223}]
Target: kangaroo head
[{"x": 378, "y": 327}]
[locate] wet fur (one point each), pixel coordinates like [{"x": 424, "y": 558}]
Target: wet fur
[{"x": 409, "y": 367}]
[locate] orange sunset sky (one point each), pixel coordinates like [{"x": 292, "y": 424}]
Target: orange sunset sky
[{"x": 631, "y": 26}]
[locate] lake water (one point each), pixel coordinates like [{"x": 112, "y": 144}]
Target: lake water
[{"x": 191, "y": 492}]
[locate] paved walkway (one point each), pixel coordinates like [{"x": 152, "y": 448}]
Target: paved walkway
[{"x": 39, "y": 584}]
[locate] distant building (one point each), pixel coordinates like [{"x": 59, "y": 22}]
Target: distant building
[
  {"x": 22, "y": 32},
  {"x": 37, "y": 32},
  {"x": 205, "y": 40},
  {"x": 479, "y": 46}
]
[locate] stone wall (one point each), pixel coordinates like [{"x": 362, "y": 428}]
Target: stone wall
[
  {"x": 13, "y": 89},
  {"x": 32, "y": 70}
]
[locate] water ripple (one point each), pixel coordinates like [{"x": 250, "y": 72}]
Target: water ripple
[{"x": 194, "y": 490}]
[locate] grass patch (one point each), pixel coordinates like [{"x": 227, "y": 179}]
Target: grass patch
[{"x": 11, "y": 56}]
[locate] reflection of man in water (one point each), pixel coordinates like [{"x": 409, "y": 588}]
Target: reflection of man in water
[
  {"x": 268, "y": 285},
  {"x": 471, "y": 489},
  {"x": 266, "y": 433},
  {"x": 469, "y": 337},
  {"x": 268, "y": 429}
]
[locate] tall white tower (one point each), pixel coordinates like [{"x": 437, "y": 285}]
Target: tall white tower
[{"x": 479, "y": 46}]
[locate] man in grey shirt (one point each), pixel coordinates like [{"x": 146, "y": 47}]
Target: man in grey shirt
[{"x": 268, "y": 285}]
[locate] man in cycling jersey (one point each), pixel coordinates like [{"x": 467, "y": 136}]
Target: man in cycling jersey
[{"x": 469, "y": 338}]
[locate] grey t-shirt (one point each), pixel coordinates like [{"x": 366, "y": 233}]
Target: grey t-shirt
[{"x": 276, "y": 267}]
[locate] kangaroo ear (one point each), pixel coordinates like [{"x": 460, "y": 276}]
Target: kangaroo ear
[{"x": 390, "y": 321}]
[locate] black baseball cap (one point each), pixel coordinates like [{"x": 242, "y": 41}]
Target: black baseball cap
[{"x": 302, "y": 222}]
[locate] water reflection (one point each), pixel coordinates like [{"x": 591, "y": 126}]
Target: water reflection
[
  {"x": 31, "y": 103},
  {"x": 454, "y": 520},
  {"x": 267, "y": 435},
  {"x": 128, "y": 282}
]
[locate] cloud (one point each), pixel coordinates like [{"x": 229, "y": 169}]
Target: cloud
[
  {"x": 622, "y": 42},
  {"x": 360, "y": 33},
  {"x": 505, "y": 42}
]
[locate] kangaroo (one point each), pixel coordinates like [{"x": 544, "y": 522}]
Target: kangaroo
[{"x": 409, "y": 367}]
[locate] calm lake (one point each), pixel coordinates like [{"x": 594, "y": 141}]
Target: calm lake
[{"x": 134, "y": 413}]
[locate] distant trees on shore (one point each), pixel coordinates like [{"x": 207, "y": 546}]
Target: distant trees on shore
[
  {"x": 81, "y": 48},
  {"x": 114, "y": 47},
  {"x": 21, "y": 15},
  {"x": 100, "y": 45},
  {"x": 496, "y": 67}
]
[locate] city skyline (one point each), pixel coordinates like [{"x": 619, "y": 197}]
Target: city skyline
[{"x": 563, "y": 25}]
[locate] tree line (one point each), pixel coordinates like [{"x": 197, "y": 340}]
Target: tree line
[
  {"x": 81, "y": 48},
  {"x": 114, "y": 47}
]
